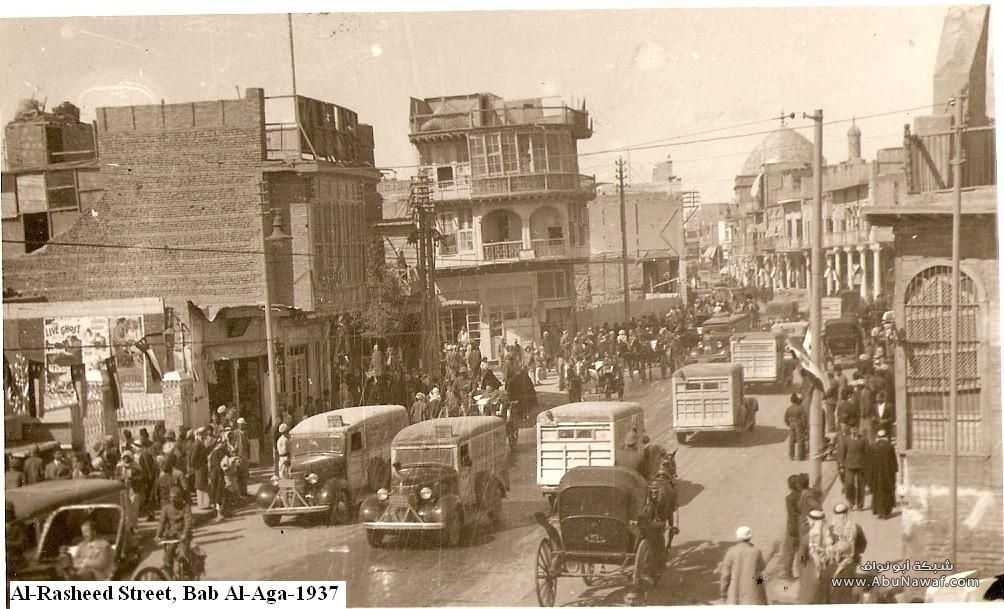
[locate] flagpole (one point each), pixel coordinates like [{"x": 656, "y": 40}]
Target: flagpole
[{"x": 816, "y": 304}]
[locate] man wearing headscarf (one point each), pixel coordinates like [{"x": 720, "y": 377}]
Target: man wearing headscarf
[
  {"x": 883, "y": 466},
  {"x": 742, "y": 581},
  {"x": 816, "y": 562},
  {"x": 846, "y": 530}
]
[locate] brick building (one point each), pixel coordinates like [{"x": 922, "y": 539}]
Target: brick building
[
  {"x": 922, "y": 225},
  {"x": 181, "y": 221}
]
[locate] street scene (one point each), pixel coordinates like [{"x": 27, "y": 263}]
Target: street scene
[{"x": 388, "y": 299}]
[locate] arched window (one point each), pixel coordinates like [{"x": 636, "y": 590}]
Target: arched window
[{"x": 927, "y": 317}]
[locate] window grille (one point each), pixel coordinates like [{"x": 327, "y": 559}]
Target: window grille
[{"x": 927, "y": 324}]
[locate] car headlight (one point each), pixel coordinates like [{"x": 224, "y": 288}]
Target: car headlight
[
  {"x": 382, "y": 494},
  {"x": 720, "y": 344},
  {"x": 274, "y": 478},
  {"x": 312, "y": 478},
  {"x": 425, "y": 493}
]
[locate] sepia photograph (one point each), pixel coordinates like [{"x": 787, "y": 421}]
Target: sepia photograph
[{"x": 499, "y": 306}]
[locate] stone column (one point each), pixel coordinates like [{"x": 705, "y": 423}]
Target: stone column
[
  {"x": 527, "y": 241},
  {"x": 863, "y": 261},
  {"x": 838, "y": 268},
  {"x": 876, "y": 271},
  {"x": 102, "y": 416}
]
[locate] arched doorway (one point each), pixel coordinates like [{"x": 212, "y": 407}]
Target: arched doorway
[
  {"x": 501, "y": 234},
  {"x": 927, "y": 324},
  {"x": 547, "y": 232}
]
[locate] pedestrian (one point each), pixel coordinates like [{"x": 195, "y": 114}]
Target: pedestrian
[
  {"x": 34, "y": 469},
  {"x": 128, "y": 472},
  {"x": 282, "y": 449},
  {"x": 198, "y": 464},
  {"x": 165, "y": 482},
  {"x": 419, "y": 408},
  {"x": 794, "y": 418},
  {"x": 883, "y": 468},
  {"x": 810, "y": 499},
  {"x": 217, "y": 481},
  {"x": 853, "y": 453},
  {"x": 789, "y": 549},
  {"x": 58, "y": 468},
  {"x": 742, "y": 581},
  {"x": 846, "y": 530},
  {"x": 815, "y": 560},
  {"x": 574, "y": 381},
  {"x": 244, "y": 452},
  {"x": 866, "y": 408},
  {"x": 885, "y": 413}
]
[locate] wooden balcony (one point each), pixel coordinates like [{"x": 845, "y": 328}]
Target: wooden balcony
[
  {"x": 454, "y": 183},
  {"x": 929, "y": 165},
  {"x": 544, "y": 248},
  {"x": 443, "y": 123},
  {"x": 502, "y": 250}
]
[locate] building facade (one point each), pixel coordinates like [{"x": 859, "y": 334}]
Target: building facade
[
  {"x": 775, "y": 192},
  {"x": 511, "y": 211},
  {"x": 922, "y": 225},
  {"x": 183, "y": 220}
]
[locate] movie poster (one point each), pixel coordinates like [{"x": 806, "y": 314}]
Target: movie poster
[
  {"x": 69, "y": 341},
  {"x": 131, "y": 362}
]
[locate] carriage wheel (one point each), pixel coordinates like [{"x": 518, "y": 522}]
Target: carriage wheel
[
  {"x": 151, "y": 574},
  {"x": 547, "y": 577},
  {"x": 641, "y": 559}
]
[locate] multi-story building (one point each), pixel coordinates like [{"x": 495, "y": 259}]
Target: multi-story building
[
  {"x": 174, "y": 252},
  {"x": 921, "y": 221},
  {"x": 775, "y": 193},
  {"x": 50, "y": 174},
  {"x": 511, "y": 210}
]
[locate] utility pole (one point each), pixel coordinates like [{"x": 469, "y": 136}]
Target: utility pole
[
  {"x": 816, "y": 303},
  {"x": 424, "y": 210},
  {"x": 620, "y": 174},
  {"x": 953, "y": 395},
  {"x": 275, "y": 236}
]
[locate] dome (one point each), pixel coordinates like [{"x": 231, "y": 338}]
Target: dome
[
  {"x": 784, "y": 146},
  {"x": 853, "y": 131}
]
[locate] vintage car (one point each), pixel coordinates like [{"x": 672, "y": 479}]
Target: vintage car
[
  {"x": 337, "y": 458},
  {"x": 446, "y": 474},
  {"x": 709, "y": 398},
  {"x": 844, "y": 341},
  {"x": 50, "y": 514},
  {"x": 716, "y": 336},
  {"x": 760, "y": 354},
  {"x": 587, "y": 434},
  {"x": 602, "y": 523}
]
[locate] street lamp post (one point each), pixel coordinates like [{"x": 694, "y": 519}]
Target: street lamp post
[{"x": 276, "y": 237}]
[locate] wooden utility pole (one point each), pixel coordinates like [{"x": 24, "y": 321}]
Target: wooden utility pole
[
  {"x": 620, "y": 174},
  {"x": 953, "y": 389},
  {"x": 423, "y": 211},
  {"x": 816, "y": 304}
]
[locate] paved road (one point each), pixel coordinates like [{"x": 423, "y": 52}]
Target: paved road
[{"x": 724, "y": 484}]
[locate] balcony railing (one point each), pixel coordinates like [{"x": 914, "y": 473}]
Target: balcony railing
[
  {"x": 424, "y": 124},
  {"x": 930, "y": 159},
  {"x": 549, "y": 247},
  {"x": 502, "y": 250},
  {"x": 461, "y": 186}
]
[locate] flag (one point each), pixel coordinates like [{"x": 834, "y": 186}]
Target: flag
[
  {"x": 757, "y": 184},
  {"x": 151, "y": 356},
  {"x": 807, "y": 364},
  {"x": 36, "y": 372},
  {"x": 113, "y": 380},
  {"x": 78, "y": 374}
]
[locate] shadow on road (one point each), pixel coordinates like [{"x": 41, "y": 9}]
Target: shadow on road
[
  {"x": 691, "y": 575},
  {"x": 762, "y": 435},
  {"x": 686, "y": 491}
]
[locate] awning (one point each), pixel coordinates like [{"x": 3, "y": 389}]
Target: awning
[{"x": 711, "y": 251}]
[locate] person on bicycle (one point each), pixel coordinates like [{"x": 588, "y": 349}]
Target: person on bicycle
[{"x": 175, "y": 524}]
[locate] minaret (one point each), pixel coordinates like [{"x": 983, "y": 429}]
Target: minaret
[{"x": 853, "y": 143}]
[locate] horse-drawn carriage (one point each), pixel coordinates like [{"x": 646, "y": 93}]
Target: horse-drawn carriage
[{"x": 606, "y": 521}]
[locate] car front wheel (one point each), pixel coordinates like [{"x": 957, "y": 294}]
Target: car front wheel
[
  {"x": 271, "y": 520},
  {"x": 341, "y": 508},
  {"x": 374, "y": 538},
  {"x": 452, "y": 531}
]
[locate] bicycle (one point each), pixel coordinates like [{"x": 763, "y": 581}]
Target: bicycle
[{"x": 186, "y": 568}]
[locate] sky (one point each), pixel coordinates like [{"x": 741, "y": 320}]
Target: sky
[{"x": 646, "y": 75}]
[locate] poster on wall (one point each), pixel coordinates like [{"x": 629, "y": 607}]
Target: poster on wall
[
  {"x": 70, "y": 341},
  {"x": 131, "y": 363}
]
